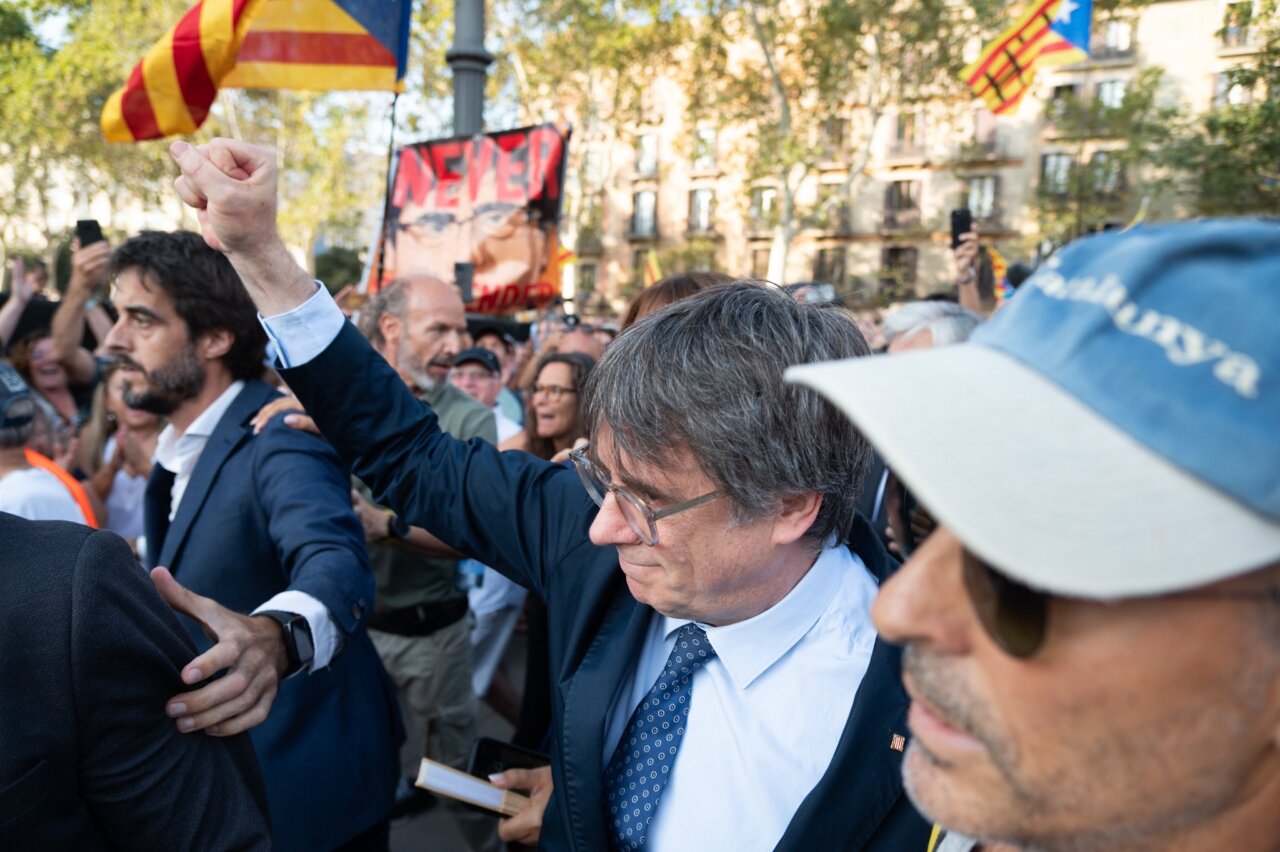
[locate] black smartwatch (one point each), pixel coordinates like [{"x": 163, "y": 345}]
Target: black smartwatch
[
  {"x": 397, "y": 528},
  {"x": 298, "y": 644}
]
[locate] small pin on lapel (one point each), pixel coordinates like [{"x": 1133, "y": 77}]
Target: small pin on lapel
[{"x": 897, "y": 742}]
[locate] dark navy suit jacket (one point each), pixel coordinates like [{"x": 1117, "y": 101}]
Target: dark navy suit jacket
[
  {"x": 271, "y": 512},
  {"x": 89, "y": 654},
  {"x": 529, "y": 519}
]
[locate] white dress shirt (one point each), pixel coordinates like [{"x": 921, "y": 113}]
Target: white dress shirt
[
  {"x": 178, "y": 453},
  {"x": 767, "y": 712}
]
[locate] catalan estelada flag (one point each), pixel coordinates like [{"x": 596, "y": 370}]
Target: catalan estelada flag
[
  {"x": 171, "y": 90},
  {"x": 325, "y": 44},
  {"x": 1049, "y": 32},
  {"x": 274, "y": 44}
]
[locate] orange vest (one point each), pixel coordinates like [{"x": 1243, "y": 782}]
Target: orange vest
[{"x": 69, "y": 482}]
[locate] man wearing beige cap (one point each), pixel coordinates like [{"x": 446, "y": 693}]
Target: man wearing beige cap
[{"x": 1092, "y": 635}]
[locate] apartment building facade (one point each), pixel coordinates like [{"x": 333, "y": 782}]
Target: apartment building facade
[{"x": 684, "y": 193}]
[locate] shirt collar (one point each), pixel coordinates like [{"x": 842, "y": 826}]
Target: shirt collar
[
  {"x": 172, "y": 446},
  {"x": 749, "y": 648}
]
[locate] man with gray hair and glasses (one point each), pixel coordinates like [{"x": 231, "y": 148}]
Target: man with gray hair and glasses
[
  {"x": 716, "y": 680},
  {"x": 1095, "y": 666}
]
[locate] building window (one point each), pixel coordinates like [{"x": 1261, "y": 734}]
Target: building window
[
  {"x": 647, "y": 155},
  {"x": 833, "y": 137},
  {"x": 832, "y": 212},
  {"x": 982, "y": 197},
  {"x": 828, "y": 266},
  {"x": 1227, "y": 93},
  {"x": 1235, "y": 24},
  {"x": 984, "y": 130},
  {"x": 1055, "y": 173},
  {"x": 1114, "y": 39},
  {"x": 902, "y": 204},
  {"x": 908, "y": 135},
  {"x": 760, "y": 263},
  {"x": 1107, "y": 175},
  {"x": 701, "y": 211},
  {"x": 1111, "y": 93},
  {"x": 898, "y": 267},
  {"x": 764, "y": 207},
  {"x": 644, "y": 215},
  {"x": 586, "y": 278},
  {"x": 704, "y": 150}
]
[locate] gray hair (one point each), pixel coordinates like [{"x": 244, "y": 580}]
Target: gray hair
[
  {"x": 705, "y": 373},
  {"x": 392, "y": 299},
  {"x": 948, "y": 322}
]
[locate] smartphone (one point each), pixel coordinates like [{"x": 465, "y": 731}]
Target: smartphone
[
  {"x": 88, "y": 231},
  {"x": 490, "y": 756},
  {"x": 961, "y": 223}
]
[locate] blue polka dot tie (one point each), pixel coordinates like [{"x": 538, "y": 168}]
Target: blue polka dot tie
[{"x": 641, "y": 765}]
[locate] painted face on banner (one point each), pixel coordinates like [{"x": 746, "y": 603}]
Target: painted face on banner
[{"x": 476, "y": 201}]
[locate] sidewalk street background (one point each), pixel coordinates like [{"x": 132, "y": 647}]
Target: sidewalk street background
[{"x": 434, "y": 830}]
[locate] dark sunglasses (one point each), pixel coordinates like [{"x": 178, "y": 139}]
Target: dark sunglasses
[{"x": 1016, "y": 617}]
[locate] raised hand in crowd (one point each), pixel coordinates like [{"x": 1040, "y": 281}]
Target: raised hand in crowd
[
  {"x": 232, "y": 187},
  {"x": 249, "y": 649},
  {"x": 526, "y": 826},
  {"x": 967, "y": 262},
  {"x": 20, "y": 293},
  {"x": 88, "y": 272}
]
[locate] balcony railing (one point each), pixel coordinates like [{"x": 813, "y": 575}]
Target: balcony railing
[
  {"x": 1112, "y": 53},
  {"x": 899, "y": 150},
  {"x": 836, "y": 221},
  {"x": 1235, "y": 36},
  {"x": 906, "y": 218}
]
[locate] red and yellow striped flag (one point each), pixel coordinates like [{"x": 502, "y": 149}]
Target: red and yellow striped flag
[
  {"x": 172, "y": 88},
  {"x": 326, "y": 44},
  {"x": 1005, "y": 70},
  {"x": 652, "y": 269}
]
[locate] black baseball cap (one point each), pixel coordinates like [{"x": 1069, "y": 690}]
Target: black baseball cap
[
  {"x": 481, "y": 355},
  {"x": 17, "y": 406}
]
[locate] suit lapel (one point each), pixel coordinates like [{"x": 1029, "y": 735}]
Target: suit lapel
[
  {"x": 608, "y": 661},
  {"x": 227, "y": 435}
]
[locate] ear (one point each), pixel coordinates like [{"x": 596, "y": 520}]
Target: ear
[
  {"x": 391, "y": 328},
  {"x": 215, "y": 344},
  {"x": 795, "y": 517}
]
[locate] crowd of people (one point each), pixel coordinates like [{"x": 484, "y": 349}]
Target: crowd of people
[{"x": 972, "y": 576}]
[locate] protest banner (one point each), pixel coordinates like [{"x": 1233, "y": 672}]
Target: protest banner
[{"x": 492, "y": 200}]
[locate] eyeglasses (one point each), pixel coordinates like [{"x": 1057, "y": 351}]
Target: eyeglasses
[
  {"x": 553, "y": 392},
  {"x": 1016, "y": 616},
  {"x": 641, "y": 517}
]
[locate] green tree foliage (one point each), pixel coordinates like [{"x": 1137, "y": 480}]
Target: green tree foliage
[
  {"x": 51, "y": 98},
  {"x": 784, "y": 71},
  {"x": 1229, "y": 157},
  {"x": 1111, "y": 161}
]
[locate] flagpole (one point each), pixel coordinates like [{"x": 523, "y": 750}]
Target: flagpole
[{"x": 376, "y": 283}]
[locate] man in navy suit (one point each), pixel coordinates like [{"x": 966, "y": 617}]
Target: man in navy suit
[
  {"x": 88, "y": 656},
  {"x": 717, "y": 683},
  {"x": 260, "y": 533}
]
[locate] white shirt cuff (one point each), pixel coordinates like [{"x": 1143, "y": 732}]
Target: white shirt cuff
[
  {"x": 304, "y": 332},
  {"x": 324, "y": 633}
]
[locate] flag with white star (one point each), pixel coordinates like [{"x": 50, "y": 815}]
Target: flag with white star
[{"x": 1048, "y": 32}]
